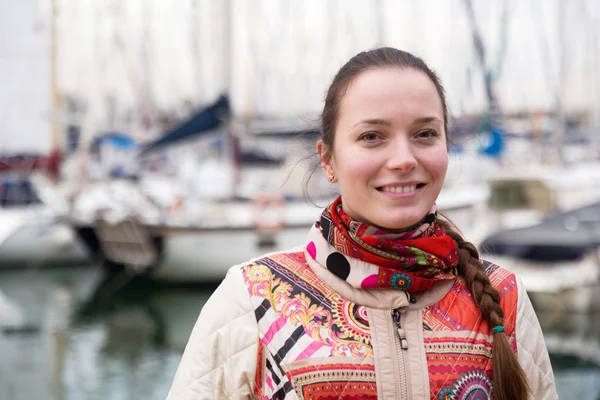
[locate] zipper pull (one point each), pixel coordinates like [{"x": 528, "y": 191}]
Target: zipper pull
[
  {"x": 401, "y": 334},
  {"x": 403, "y": 341}
]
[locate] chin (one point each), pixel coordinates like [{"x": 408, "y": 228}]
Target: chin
[
  {"x": 401, "y": 219},
  {"x": 397, "y": 224}
]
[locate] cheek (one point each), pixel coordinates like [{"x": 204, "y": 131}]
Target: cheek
[
  {"x": 355, "y": 164},
  {"x": 436, "y": 162}
]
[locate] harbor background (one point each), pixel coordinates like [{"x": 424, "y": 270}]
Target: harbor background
[{"x": 72, "y": 71}]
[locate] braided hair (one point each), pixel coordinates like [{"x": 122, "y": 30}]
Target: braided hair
[{"x": 508, "y": 378}]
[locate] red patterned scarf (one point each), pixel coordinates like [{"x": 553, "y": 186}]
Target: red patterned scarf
[{"x": 412, "y": 260}]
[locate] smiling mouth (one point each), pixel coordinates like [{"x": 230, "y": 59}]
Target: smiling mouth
[{"x": 400, "y": 189}]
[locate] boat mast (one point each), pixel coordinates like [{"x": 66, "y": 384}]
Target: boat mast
[
  {"x": 594, "y": 79},
  {"x": 227, "y": 39},
  {"x": 230, "y": 142},
  {"x": 495, "y": 112},
  {"x": 147, "y": 107},
  {"x": 195, "y": 44},
  {"x": 55, "y": 97},
  {"x": 559, "y": 133}
]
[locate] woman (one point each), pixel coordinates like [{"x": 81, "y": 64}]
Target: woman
[{"x": 385, "y": 300}]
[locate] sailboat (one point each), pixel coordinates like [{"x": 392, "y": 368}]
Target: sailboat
[{"x": 32, "y": 232}]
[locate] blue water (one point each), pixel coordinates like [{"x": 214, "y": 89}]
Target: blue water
[{"x": 89, "y": 339}]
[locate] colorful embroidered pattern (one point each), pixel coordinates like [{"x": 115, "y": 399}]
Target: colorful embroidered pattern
[
  {"x": 300, "y": 318},
  {"x": 352, "y": 318},
  {"x": 473, "y": 386},
  {"x": 334, "y": 381},
  {"x": 469, "y": 386}
]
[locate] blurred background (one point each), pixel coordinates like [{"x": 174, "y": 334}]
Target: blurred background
[{"x": 146, "y": 146}]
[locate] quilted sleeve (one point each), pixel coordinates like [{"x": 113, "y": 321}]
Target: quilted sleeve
[
  {"x": 533, "y": 355},
  {"x": 219, "y": 361}
]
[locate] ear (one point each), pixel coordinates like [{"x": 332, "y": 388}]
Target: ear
[{"x": 327, "y": 164}]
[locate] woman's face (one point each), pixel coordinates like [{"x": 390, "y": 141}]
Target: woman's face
[{"x": 389, "y": 154}]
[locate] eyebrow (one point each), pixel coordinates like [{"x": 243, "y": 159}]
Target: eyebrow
[
  {"x": 374, "y": 121},
  {"x": 424, "y": 120},
  {"x": 385, "y": 122}
]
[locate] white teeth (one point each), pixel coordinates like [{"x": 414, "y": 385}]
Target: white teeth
[{"x": 400, "y": 189}]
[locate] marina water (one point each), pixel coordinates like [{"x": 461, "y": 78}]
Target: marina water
[{"x": 88, "y": 337}]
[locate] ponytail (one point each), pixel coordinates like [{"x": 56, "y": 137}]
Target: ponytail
[{"x": 508, "y": 378}]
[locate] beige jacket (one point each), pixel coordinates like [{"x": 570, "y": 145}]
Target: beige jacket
[{"x": 220, "y": 360}]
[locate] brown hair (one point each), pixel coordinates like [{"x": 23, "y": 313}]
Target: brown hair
[{"x": 509, "y": 380}]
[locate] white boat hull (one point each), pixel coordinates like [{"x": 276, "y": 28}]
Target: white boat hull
[
  {"x": 33, "y": 237},
  {"x": 207, "y": 255},
  {"x": 561, "y": 286},
  {"x": 33, "y": 246}
]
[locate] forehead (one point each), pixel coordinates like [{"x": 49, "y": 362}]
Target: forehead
[{"x": 390, "y": 93}]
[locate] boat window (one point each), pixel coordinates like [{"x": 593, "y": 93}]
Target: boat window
[
  {"x": 521, "y": 194},
  {"x": 17, "y": 193}
]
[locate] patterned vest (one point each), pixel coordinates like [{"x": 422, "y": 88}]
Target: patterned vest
[{"x": 315, "y": 344}]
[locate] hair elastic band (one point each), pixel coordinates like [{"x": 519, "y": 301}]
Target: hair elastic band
[{"x": 498, "y": 329}]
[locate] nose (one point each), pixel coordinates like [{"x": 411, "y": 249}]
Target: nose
[{"x": 401, "y": 156}]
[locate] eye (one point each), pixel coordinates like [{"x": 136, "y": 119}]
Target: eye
[
  {"x": 369, "y": 137},
  {"x": 427, "y": 134}
]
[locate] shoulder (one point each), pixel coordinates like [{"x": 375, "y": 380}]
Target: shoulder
[
  {"x": 510, "y": 289},
  {"x": 507, "y": 284},
  {"x": 281, "y": 258},
  {"x": 292, "y": 253},
  {"x": 501, "y": 278},
  {"x": 257, "y": 276}
]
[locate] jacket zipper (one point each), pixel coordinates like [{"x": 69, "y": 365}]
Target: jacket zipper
[{"x": 401, "y": 347}]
